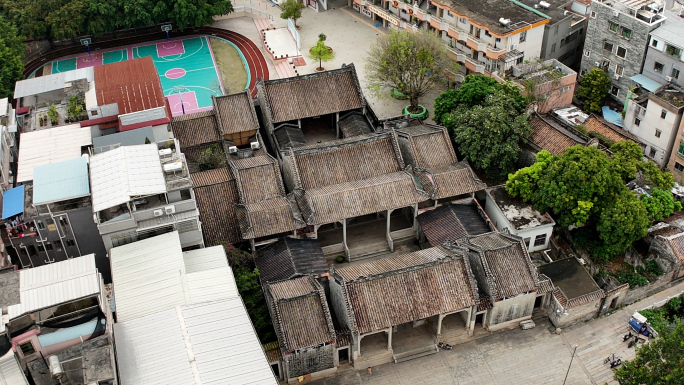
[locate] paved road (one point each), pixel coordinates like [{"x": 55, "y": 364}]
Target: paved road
[{"x": 536, "y": 356}]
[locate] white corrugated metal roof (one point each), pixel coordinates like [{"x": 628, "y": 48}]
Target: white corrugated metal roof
[
  {"x": 10, "y": 372},
  {"x": 49, "y": 146},
  {"x": 150, "y": 276},
  {"x": 120, "y": 174},
  {"x": 43, "y": 84},
  {"x": 221, "y": 347},
  {"x": 55, "y": 283}
]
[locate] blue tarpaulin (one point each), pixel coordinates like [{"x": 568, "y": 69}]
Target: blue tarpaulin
[
  {"x": 13, "y": 202},
  {"x": 612, "y": 116}
]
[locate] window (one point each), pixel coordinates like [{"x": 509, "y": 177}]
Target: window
[
  {"x": 605, "y": 64},
  {"x": 40, "y": 225},
  {"x": 581, "y": 31},
  {"x": 679, "y": 166},
  {"x": 553, "y": 47},
  {"x": 593, "y": 15},
  {"x": 619, "y": 70},
  {"x": 626, "y": 32},
  {"x": 587, "y": 53},
  {"x": 555, "y": 30},
  {"x": 672, "y": 50},
  {"x": 540, "y": 240},
  {"x": 58, "y": 245},
  {"x": 658, "y": 132},
  {"x": 654, "y": 43},
  {"x": 621, "y": 52},
  {"x": 681, "y": 149},
  {"x": 614, "y": 90},
  {"x": 608, "y": 46},
  {"x": 658, "y": 67},
  {"x": 613, "y": 26},
  {"x": 564, "y": 90},
  {"x": 674, "y": 73},
  {"x": 663, "y": 114},
  {"x": 93, "y": 112},
  {"x": 27, "y": 348},
  {"x": 462, "y": 20},
  {"x": 48, "y": 246},
  {"x": 487, "y": 33},
  {"x": 583, "y": 72},
  {"x": 637, "y": 122},
  {"x": 652, "y": 153},
  {"x": 523, "y": 36}
]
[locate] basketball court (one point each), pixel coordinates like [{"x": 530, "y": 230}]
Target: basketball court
[{"x": 186, "y": 68}]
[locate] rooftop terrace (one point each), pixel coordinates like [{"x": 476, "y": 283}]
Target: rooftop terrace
[{"x": 488, "y": 13}]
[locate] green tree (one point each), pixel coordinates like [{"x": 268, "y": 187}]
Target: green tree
[
  {"x": 292, "y": 9},
  {"x": 624, "y": 221},
  {"x": 194, "y": 13},
  {"x": 658, "y": 362},
  {"x": 11, "y": 50},
  {"x": 247, "y": 281},
  {"x": 321, "y": 52},
  {"x": 211, "y": 158},
  {"x": 473, "y": 91},
  {"x": 593, "y": 89},
  {"x": 660, "y": 204},
  {"x": 655, "y": 176},
  {"x": 409, "y": 62},
  {"x": 576, "y": 185},
  {"x": 626, "y": 159},
  {"x": 523, "y": 182},
  {"x": 490, "y": 135}
]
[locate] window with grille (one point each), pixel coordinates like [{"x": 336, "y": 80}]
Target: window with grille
[
  {"x": 540, "y": 240},
  {"x": 658, "y": 133},
  {"x": 619, "y": 70},
  {"x": 27, "y": 348},
  {"x": 626, "y": 32},
  {"x": 614, "y": 26},
  {"x": 674, "y": 73},
  {"x": 523, "y": 36},
  {"x": 607, "y": 46},
  {"x": 621, "y": 52},
  {"x": 652, "y": 153},
  {"x": 654, "y": 42},
  {"x": 681, "y": 149},
  {"x": 637, "y": 122},
  {"x": 679, "y": 166},
  {"x": 663, "y": 114},
  {"x": 672, "y": 50},
  {"x": 614, "y": 90},
  {"x": 658, "y": 67}
]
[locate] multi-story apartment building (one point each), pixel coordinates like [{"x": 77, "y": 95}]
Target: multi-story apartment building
[
  {"x": 564, "y": 34},
  {"x": 665, "y": 54},
  {"x": 655, "y": 118},
  {"x": 486, "y": 37},
  {"x": 618, "y": 34},
  {"x": 142, "y": 191}
]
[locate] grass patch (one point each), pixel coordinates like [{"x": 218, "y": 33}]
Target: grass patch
[{"x": 230, "y": 66}]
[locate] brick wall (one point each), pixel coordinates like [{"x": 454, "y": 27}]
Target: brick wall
[{"x": 310, "y": 361}]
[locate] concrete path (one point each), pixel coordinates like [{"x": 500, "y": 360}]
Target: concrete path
[
  {"x": 348, "y": 33},
  {"x": 536, "y": 356}
]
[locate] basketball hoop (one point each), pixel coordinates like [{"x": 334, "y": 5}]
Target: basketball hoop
[
  {"x": 86, "y": 42},
  {"x": 166, "y": 28}
]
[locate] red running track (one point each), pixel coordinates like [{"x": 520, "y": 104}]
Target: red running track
[{"x": 255, "y": 60}]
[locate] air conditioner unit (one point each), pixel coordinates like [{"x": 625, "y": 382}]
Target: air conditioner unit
[
  {"x": 616, "y": 14},
  {"x": 255, "y": 145},
  {"x": 158, "y": 213},
  {"x": 597, "y": 64},
  {"x": 170, "y": 210},
  {"x": 544, "y": 4},
  {"x": 616, "y": 76},
  {"x": 232, "y": 150},
  {"x": 668, "y": 78},
  {"x": 514, "y": 46}
]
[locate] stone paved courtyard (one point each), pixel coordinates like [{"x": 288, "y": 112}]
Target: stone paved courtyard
[{"x": 536, "y": 356}]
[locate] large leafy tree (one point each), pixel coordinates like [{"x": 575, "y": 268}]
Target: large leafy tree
[
  {"x": 411, "y": 63},
  {"x": 593, "y": 89},
  {"x": 11, "y": 50},
  {"x": 292, "y": 9},
  {"x": 623, "y": 221},
  {"x": 473, "y": 91},
  {"x": 660, "y": 204},
  {"x": 658, "y": 362},
  {"x": 489, "y": 135}
]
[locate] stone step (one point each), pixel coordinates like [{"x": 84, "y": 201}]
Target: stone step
[
  {"x": 455, "y": 339},
  {"x": 366, "y": 253},
  {"x": 415, "y": 353},
  {"x": 364, "y": 362}
]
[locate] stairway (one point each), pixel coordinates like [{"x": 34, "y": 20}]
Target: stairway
[
  {"x": 263, "y": 24},
  {"x": 285, "y": 70},
  {"x": 415, "y": 353}
]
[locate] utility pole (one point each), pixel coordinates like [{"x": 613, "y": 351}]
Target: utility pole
[{"x": 571, "y": 358}]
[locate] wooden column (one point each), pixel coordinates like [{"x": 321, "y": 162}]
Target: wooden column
[
  {"x": 390, "y": 242},
  {"x": 389, "y": 338},
  {"x": 337, "y": 124},
  {"x": 439, "y": 324},
  {"x": 252, "y": 244},
  {"x": 344, "y": 239},
  {"x": 471, "y": 323}
]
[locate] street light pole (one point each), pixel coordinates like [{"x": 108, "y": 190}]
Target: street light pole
[{"x": 571, "y": 358}]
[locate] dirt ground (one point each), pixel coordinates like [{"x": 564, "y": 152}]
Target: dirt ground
[{"x": 230, "y": 65}]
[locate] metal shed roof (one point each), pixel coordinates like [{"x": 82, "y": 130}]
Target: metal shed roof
[
  {"x": 59, "y": 181},
  {"x": 217, "y": 335},
  {"x": 43, "y": 84},
  {"x": 13, "y": 202},
  {"x": 118, "y": 175},
  {"x": 10, "y": 372},
  {"x": 56, "y": 283},
  {"x": 153, "y": 275},
  {"x": 49, "y": 146}
]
